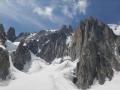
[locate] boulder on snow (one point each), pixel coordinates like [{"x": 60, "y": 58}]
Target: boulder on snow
[
  {"x": 4, "y": 64},
  {"x": 21, "y": 56}
]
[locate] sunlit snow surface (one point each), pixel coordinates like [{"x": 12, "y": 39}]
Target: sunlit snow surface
[
  {"x": 42, "y": 76},
  {"x": 11, "y": 46},
  {"x": 115, "y": 28}
]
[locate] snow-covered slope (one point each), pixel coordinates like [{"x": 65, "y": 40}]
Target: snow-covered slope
[
  {"x": 14, "y": 72},
  {"x": 115, "y": 28},
  {"x": 50, "y": 77},
  {"x": 11, "y": 46},
  {"x": 42, "y": 76},
  {"x": 37, "y": 64}
]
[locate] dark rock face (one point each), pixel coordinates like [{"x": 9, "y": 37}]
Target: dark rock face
[
  {"x": 49, "y": 45},
  {"x": 36, "y": 41},
  {"x": 21, "y": 56},
  {"x": 33, "y": 46},
  {"x": 2, "y": 35},
  {"x": 11, "y": 34},
  {"x": 4, "y": 56},
  {"x": 55, "y": 44},
  {"x": 4, "y": 64},
  {"x": 94, "y": 45},
  {"x": 117, "y": 54}
]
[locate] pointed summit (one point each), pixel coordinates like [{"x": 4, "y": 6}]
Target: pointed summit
[
  {"x": 94, "y": 45},
  {"x": 11, "y": 34}
]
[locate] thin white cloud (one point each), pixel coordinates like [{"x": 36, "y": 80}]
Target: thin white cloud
[
  {"x": 67, "y": 13},
  {"x": 48, "y": 13},
  {"x": 70, "y": 8},
  {"x": 82, "y": 6},
  {"x": 54, "y": 11},
  {"x": 16, "y": 11},
  {"x": 45, "y": 12}
]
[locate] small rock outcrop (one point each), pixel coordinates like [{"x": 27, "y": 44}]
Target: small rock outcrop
[
  {"x": 94, "y": 44},
  {"x": 11, "y": 34},
  {"x": 21, "y": 56},
  {"x": 4, "y": 64}
]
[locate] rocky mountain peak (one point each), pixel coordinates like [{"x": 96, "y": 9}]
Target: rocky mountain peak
[
  {"x": 66, "y": 29},
  {"x": 94, "y": 46},
  {"x": 11, "y": 34}
]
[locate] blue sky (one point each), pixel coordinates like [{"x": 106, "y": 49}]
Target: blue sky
[{"x": 35, "y": 15}]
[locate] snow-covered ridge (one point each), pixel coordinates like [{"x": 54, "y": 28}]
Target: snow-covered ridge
[
  {"x": 11, "y": 46},
  {"x": 31, "y": 35},
  {"x": 115, "y": 28},
  {"x": 51, "y": 30}
]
